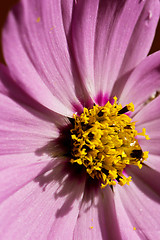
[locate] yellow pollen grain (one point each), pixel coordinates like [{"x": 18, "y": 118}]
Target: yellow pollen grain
[
  {"x": 130, "y": 107},
  {"x": 134, "y": 228},
  {"x": 104, "y": 142},
  {"x": 38, "y": 19},
  {"x": 91, "y": 227}
]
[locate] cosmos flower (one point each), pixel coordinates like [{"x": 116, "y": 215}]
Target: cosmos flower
[{"x": 80, "y": 121}]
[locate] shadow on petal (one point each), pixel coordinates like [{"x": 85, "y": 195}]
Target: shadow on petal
[
  {"x": 68, "y": 178},
  {"x": 147, "y": 180}
]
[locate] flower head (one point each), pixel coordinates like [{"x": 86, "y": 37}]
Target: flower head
[{"x": 79, "y": 155}]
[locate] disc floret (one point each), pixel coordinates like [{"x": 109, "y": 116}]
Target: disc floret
[{"x": 104, "y": 142}]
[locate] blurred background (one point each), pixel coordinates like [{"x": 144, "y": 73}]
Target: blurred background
[{"x": 6, "y": 5}]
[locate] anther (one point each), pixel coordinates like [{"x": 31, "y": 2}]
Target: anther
[
  {"x": 123, "y": 110},
  {"x": 137, "y": 154}
]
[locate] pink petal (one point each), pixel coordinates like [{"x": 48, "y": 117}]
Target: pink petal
[
  {"x": 148, "y": 113},
  {"x": 83, "y": 35},
  {"x": 153, "y": 130},
  {"x": 125, "y": 223},
  {"x": 37, "y": 212},
  {"x": 23, "y": 129},
  {"x": 137, "y": 206},
  {"x": 22, "y": 159},
  {"x": 139, "y": 45},
  {"x": 38, "y": 56},
  {"x": 14, "y": 178},
  {"x": 153, "y": 162},
  {"x": 147, "y": 175},
  {"x": 143, "y": 82},
  {"x": 146, "y": 26},
  {"x": 15, "y": 90},
  {"x": 152, "y": 146},
  {"x": 97, "y": 217},
  {"x": 102, "y": 33},
  {"x": 67, "y": 9},
  {"x": 149, "y": 118}
]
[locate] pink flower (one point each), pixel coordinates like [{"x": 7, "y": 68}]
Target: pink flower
[{"x": 62, "y": 56}]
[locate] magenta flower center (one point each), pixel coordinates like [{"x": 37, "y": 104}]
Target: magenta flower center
[{"x": 104, "y": 142}]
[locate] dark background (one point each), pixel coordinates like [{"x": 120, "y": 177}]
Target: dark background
[{"x": 6, "y": 5}]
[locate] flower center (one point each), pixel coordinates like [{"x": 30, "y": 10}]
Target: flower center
[{"x": 104, "y": 141}]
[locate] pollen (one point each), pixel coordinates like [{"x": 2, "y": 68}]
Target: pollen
[
  {"x": 104, "y": 141},
  {"x": 38, "y": 19}
]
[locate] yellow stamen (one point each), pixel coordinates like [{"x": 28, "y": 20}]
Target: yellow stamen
[
  {"x": 103, "y": 140},
  {"x": 130, "y": 107}
]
